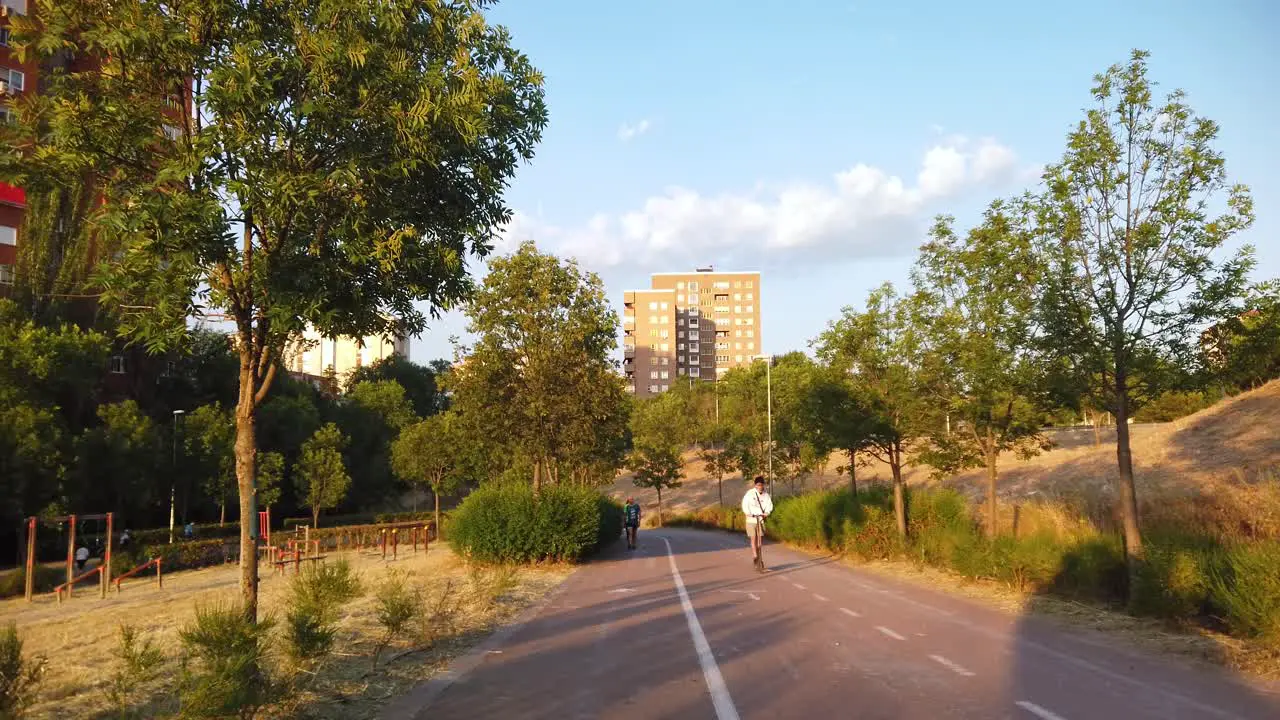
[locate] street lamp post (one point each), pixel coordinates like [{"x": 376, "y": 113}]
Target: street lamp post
[
  {"x": 173, "y": 479},
  {"x": 768, "y": 379}
]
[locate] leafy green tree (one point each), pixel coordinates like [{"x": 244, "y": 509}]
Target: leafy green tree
[
  {"x": 656, "y": 468},
  {"x": 208, "y": 441},
  {"x": 430, "y": 453},
  {"x": 372, "y": 415},
  {"x": 270, "y": 478},
  {"x": 837, "y": 417},
  {"x": 32, "y": 457},
  {"x": 420, "y": 382},
  {"x": 1134, "y": 258},
  {"x": 881, "y": 351},
  {"x": 342, "y": 166},
  {"x": 321, "y": 473},
  {"x": 1245, "y": 350},
  {"x": 117, "y": 462},
  {"x": 539, "y": 382},
  {"x": 980, "y": 299},
  {"x": 715, "y": 456}
]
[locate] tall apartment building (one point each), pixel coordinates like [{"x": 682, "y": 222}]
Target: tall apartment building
[
  {"x": 317, "y": 355},
  {"x": 690, "y": 326},
  {"x": 19, "y": 78},
  {"x": 16, "y": 78}
]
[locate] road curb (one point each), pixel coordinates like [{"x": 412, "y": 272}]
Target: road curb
[{"x": 414, "y": 704}]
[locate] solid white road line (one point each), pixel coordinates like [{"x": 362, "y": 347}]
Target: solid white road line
[
  {"x": 889, "y": 632},
  {"x": 1038, "y": 711},
  {"x": 850, "y": 613},
  {"x": 957, "y": 669},
  {"x": 720, "y": 698},
  {"x": 819, "y": 598}
]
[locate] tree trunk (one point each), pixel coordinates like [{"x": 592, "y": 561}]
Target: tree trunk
[
  {"x": 222, "y": 514},
  {"x": 537, "y": 476},
  {"x": 720, "y": 488},
  {"x": 1095, "y": 421},
  {"x": 853, "y": 472},
  {"x": 659, "y": 506},
  {"x": 435, "y": 492},
  {"x": 246, "y": 457},
  {"x": 992, "y": 520},
  {"x": 899, "y": 491},
  {"x": 315, "y": 517},
  {"x": 1128, "y": 495}
]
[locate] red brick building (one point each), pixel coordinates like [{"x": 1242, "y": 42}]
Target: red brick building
[{"x": 16, "y": 78}]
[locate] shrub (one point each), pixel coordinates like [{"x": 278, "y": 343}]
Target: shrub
[
  {"x": 19, "y": 675},
  {"x": 315, "y": 597},
  {"x": 396, "y": 605},
  {"x": 13, "y": 582},
  {"x": 140, "y": 662},
  {"x": 192, "y": 554},
  {"x": 1093, "y": 569},
  {"x": 1244, "y": 589},
  {"x": 225, "y": 671},
  {"x": 1172, "y": 582},
  {"x": 506, "y": 523}
]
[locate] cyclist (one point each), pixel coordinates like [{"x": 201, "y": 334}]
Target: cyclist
[
  {"x": 756, "y": 506},
  {"x": 631, "y": 521}
]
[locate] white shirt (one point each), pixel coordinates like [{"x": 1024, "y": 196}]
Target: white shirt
[
  {"x": 756, "y": 503},
  {"x": 82, "y": 553}
]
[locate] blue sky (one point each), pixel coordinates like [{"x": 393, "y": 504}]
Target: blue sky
[{"x": 814, "y": 141}]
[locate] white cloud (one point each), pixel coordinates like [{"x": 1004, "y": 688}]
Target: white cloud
[
  {"x": 861, "y": 212},
  {"x": 628, "y": 132}
]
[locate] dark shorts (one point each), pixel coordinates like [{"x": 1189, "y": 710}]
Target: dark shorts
[{"x": 631, "y": 524}]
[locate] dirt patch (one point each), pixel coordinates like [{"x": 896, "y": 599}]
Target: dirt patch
[{"x": 80, "y": 637}]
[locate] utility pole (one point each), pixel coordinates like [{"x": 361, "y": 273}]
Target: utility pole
[{"x": 173, "y": 479}]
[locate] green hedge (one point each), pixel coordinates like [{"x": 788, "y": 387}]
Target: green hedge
[
  {"x": 1185, "y": 577},
  {"x": 507, "y": 523}
]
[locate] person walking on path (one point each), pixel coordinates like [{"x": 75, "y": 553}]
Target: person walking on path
[
  {"x": 631, "y": 521},
  {"x": 756, "y": 506}
]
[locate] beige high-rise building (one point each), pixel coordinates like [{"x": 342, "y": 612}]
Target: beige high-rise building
[
  {"x": 713, "y": 326},
  {"x": 317, "y": 355}
]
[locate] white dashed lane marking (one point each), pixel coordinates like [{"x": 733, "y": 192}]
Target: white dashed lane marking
[{"x": 886, "y": 631}]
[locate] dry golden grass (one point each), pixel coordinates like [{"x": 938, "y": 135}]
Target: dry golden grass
[
  {"x": 1213, "y": 461},
  {"x": 79, "y": 638}
]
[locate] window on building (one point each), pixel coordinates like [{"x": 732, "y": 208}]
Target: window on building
[
  {"x": 8, "y": 235},
  {"x": 666, "y": 375},
  {"x": 118, "y": 365},
  {"x": 737, "y": 358},
  {"x": 722, "y": 358},
  {"x": 665, "y": 361},
  {"x": 751, "y": 333},
  {"x": 680, "y": 372},
  {"x": 653, "y": 359},
  {"x": 680, "y": 285},
  {"x": 653, "y": 332},
  {"x": 18, "y": 7},
  {"x": 737, "y": 309},
  {"x": 653, "y": 374},
  {"x": 750, "y": 284},
  {"x": 679, "y": 334},
  {"x": 750, "y": 321},
  {"x": 653, "y": 388},
  {"x": 679, "y": 299},
  {"x": 653, "y": 319},
  {"x": 751, "y": 346},
  {"x": 693, "y": 322},
  {"x": 737, "y": 296},
  {"x": 173, "y": 132},
  {"x": 695, "y": 372},
  {"x": 722, "y": 297},
  {"x": 750, "y": 296},
  {"x": 722, "y": 285},
  {"x": 693, "y": 335},
  {"x": 653, "y": 305},
  {"x": 6, "y": 274},
  {"x": 664, "y": 347},
  {"x": 15, "y": 78},
  {"x": 737, "y": 283},
  {"x": 664, "y": 306},
  {"x": 722, "y": 333},
  {"x": 4, "y": 36},
  {"x": 737, "y": 346},
  {"x": 666, "y": 388},
  {"x": 664, "y": 334},
  {"x": 664, "y": 319},
  {"x": 680, "y": 359},
  {"x": 693, "y": 287}
]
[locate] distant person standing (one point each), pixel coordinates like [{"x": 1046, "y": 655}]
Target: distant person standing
[
  {"x": 756, "y": 506},
  {"x": 82, "y": 557},
  {"x": 631, "y": 521}
]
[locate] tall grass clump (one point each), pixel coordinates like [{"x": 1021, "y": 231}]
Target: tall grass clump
[
  {"x": 140, "y": 664},
  {"x": 397, "y": 604},
  {"x": 507, "y": 523},
  {"x": 225, "y": 672},
  {"x": 19, "y": 675},
  {"x": 1244, "y": 590},
  {"x": 316, "y": 597}
]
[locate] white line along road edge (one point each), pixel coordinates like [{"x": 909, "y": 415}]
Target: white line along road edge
[
  {"x": 725, "y": 709},
  {"x": 1038, "y": 711}
]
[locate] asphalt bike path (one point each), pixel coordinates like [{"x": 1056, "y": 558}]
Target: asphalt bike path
[{"x": 684, "y": 627}]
